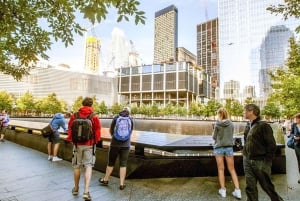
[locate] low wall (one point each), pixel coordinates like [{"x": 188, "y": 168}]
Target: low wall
[{"x": 147, "y": 166}]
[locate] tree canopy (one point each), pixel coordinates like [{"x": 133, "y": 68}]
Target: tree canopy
[
  {"x": 24, "y": 40},
  {"x": 291, "y": 8},
  {"x": 286, "y": 82}
]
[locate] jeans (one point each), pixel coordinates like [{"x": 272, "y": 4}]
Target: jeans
[{"x": 259, "y": 170}]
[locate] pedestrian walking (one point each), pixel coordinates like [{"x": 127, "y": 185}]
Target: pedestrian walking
[
  {"x": 84, "y": 131},
  {"x": 260, "y": 146}
]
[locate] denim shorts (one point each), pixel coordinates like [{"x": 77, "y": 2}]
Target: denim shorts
[{"x": 223, "y": 151}]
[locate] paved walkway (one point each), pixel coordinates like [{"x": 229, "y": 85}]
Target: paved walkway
[{"x": 26, "y": 175}]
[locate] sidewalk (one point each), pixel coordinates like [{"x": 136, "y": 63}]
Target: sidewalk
[{"x": 27, "y": 175}]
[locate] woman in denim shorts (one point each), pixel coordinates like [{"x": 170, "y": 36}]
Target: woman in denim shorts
[{"x": 223, "y": 148}]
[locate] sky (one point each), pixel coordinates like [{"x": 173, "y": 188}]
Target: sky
[{"x": 190, "y": 14}]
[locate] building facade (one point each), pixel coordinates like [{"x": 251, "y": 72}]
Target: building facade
[
  {"x": 208, "y": 52},
  {"x": 165, "y": 35},
  {"x": 66, "y": 84},
  {"x": 232, "y": 90},
  {"x": 177, "y": 83},
  {"x": 273, "y": 53},
  {"x": 243, "y": 26},
  {"x": 92, "y": 54}
]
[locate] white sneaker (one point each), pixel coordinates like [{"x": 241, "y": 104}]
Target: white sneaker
[
  {"x": 55, "y": 158},
  {"x": 237, "y": 193},
  {"x": 49, "y": 158},
  {"x": 222, "y": 192}
]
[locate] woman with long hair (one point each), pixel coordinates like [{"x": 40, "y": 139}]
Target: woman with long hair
[{"x": 223, "y": 149}]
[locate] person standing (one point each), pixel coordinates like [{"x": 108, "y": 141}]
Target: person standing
[
  {"x": 258, "y": 152},
  {"x": 58, "y": 121},
  {"x": 223, "y": 148},
  {"x": 295, "y": 131},
  {"x": 84, "y": 152},
  {"x": 119, "y": 147},
  {"x": 4, "y": 119}
]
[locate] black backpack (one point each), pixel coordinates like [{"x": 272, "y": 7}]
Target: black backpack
[{"x": 82, "y": 128}]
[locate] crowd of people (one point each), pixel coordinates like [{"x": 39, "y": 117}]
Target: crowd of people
[{"x": 84, "y": 132}]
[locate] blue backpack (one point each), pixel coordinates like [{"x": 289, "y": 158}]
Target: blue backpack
[{"x": 122, "y": 131}]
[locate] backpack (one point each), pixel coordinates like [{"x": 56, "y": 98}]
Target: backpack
[
  {"x": 82, "y": 128},
  {"x": 122, "y": 131}
]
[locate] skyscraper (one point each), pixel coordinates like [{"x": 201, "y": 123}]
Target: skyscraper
[
  {"x": 92, "y": 53},
  {"x": 165, "y": 35},
  {"x": 208, "y": 51},
  {"x": 273, "y": 53},
  {"x": 243, "y": 25}
]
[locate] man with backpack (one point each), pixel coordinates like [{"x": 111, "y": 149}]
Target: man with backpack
[
  {"x": 121, "y": 130},
  {"x": 84, "y": 131}
]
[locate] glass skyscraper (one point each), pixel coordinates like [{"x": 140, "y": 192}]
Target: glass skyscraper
[
  {"x": 243, "y": 26},
  {"x": 273, "y": 53}
]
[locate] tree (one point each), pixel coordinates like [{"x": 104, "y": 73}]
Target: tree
[
  {"x": 234, "y": 107},
  {"x": 102, "y": 108},
  {"x": 23, "y": 39},
  {"x": 211, "y": 108},
  {"x": 291, "y": 8},
  {"x": 286, "y": 82},
  {"x": 26, "y": 103},
  {"x": 154, "y": 110},
  {"x": 249, "y": 100},
  {"x": 271, "y": 110},
  {"x": 116, "y": 108},
  {"x": 6, "y": 101},
  {"x": 77, "y": 104},
  {"x": 51, "y": 105}
]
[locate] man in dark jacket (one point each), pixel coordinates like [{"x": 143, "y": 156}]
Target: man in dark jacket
[{"x": 258, "y": 151}]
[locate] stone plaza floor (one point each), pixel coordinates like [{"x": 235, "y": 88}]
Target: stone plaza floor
[{"x": 27, "y": 175}]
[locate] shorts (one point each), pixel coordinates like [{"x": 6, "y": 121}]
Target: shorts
[
  {"x": 54, "y": 138},
  {"x": 83, "y": 156},
  {"x": 223, "y": 151},
  {"x": 114, "y": 152}
]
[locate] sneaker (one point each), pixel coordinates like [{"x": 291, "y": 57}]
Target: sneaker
[
  {"x": 237, "y": 193},
  {"x": 74, "y": 192},
  {"x": 55, "y": 158},
  {"x": 2, "y": 140},
  {"x": 49, "y": 158},
  {"x": 222, "y": 192},
  {"x": 87, "y": 196}
]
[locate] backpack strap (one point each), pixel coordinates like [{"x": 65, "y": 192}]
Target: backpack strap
[{"x": 90, "y": 116}]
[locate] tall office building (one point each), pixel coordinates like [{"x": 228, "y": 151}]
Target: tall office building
[
  {"x": 273, "y": 53},
  {"x": 165, "y": 35},
  {"x": 92, "y": 54},
  {"x": 232, "y": 90},
  {"x": 208, "y": 52},
  {"x": 243, "y": 26}
]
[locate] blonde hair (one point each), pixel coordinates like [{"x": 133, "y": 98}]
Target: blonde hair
[{"x": 222, "y": 113}]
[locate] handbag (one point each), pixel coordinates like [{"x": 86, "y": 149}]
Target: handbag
[
  {"x": 47, "y": 131},
  {"x": 291, "y": 142}
]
